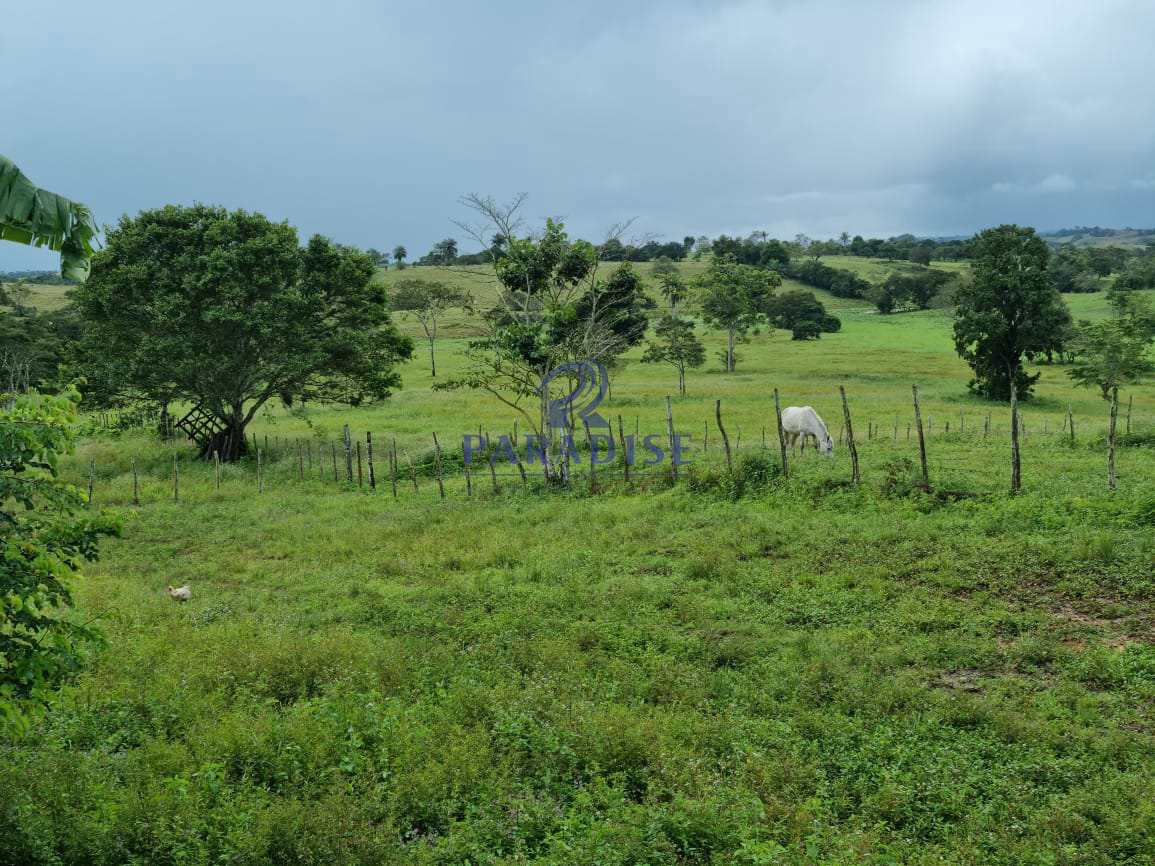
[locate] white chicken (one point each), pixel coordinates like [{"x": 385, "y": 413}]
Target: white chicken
[{"x": 180, "y": 593}]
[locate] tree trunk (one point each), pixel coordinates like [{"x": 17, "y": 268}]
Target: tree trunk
[
  {"x": 432, "y": 359},
  {"x": 682, "y": 381},
  {"x": 229, "y": 443},
  {"x": 730, "y": 351}
]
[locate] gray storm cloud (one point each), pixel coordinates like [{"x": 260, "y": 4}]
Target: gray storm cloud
[{"x": 365, "y": 121}]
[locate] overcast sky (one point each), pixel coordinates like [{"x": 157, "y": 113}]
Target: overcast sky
[{"x": 366, "y": 120}]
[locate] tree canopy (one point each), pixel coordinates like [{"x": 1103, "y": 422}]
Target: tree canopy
[
  {"x": 801, "y": 313},
  {"x": 734, "y": 298},
  {"x": 226, "y": 310},
  {"x": 1008, "y": 311}
]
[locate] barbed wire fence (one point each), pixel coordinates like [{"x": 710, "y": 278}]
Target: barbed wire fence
[{"x": 940, "y": 452}]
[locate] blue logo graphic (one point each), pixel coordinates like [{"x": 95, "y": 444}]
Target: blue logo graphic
[
  {"x": 581, "y": 404},
  {"x": 583, "y": 400}
]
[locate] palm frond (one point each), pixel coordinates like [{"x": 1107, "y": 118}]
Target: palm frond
[{"x": 36, "y": 217}]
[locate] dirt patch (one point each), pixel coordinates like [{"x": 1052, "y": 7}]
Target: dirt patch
[{"x": 962, "y": 680}]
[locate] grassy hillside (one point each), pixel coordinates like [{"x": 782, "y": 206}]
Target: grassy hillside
[
  {"x": 804, "y": 673},
  {"x": 47, "y": 297}
]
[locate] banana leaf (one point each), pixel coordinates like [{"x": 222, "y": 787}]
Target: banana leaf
[{"x": 36, "y": 217}]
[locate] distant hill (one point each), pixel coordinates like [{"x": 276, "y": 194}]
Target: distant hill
[{"x": 1097, "y": 236}]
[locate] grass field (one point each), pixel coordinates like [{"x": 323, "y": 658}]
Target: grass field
[{"x": 804, "y": 673}]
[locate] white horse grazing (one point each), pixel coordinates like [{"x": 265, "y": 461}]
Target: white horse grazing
[{"x": 804, "y": 422}]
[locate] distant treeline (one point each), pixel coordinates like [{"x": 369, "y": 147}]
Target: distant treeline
[
  {"x": 38, "y": 277},
  {"x": 757, "y": 248}
]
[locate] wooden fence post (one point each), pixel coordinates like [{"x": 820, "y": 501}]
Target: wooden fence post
[
  {"x": 625, "y": 451},
  {"x": 1130, "y": 403},
  {"x": 412, "y": 471},
  {"x": 135, "y": 484},
  {"x": 359, "y": 476},
  {"x": 175, "y": 478},
  {"x": 669, "y": 433},
  {"x": 217, "y": 468},
  {"x": 987, "y": 426},
  {"x": 1070, "y": 424},
  {"x": 706, "y": 437},
  {"x": 260, "y": 475},
  {"x": 91, "y": 479},
  {"x": 493, "y": 471},
  {"x": 781, "y": 435},
  {"x": 854, "y": 474},
  {"x": 1016, "y": 465},
  {"x": 348, "y": 455},
  {"x": 921, "y": 438},
  {"x": 1111, "y": 438},
  {"x": 437, "y": 462},
  {"x": 725, "y": 438},
  {"x": 333, "y": 454},
  {"x": 369, "y": 457},
  {"x": 300, "y": 461},
  {"x": 393, "y": 467},
  {"x": 590, "y": 446}
]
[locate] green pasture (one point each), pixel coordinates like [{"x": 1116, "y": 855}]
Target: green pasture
[{"x": 730, "y": 669}]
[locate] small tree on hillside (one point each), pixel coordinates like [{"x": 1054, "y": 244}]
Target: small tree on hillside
[
  {"x": 1008, "y": 311},
  {"x": 1112, "y": 353},
  {"x": 670, "y": 282},
  {"x": 675, "y": 343},
  {"x": 226, "y": 310},
  {"x": 428, "y": 301},
  {"x": 551, "y": 310},
  {"x": 734, "y": 298}
]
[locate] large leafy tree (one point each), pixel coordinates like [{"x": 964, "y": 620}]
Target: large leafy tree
[
  {"x": 734, "y": 299},
  {"x": 39, "y": 218},
  {"x": 43, "y": 538},
  {"x": 1008, "y": 311},
  {"x": 226, "y": 310}
]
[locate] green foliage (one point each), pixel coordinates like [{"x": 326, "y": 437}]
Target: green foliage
[
  {"x": 1008, "y": 311},
  {"x": 915, "y": 289},
  {"x": 1138, "y": 274},
  {"x": 618, "y": 305},
  {"x": 546, "y": 268},
  {"x": 802, "y": 314},
  {"x": 226, "y": 310},
  {"x": 675, "y": 343},
  {"x": 733, "y": 298},
  {"x": 838, "y": 281},
  {"x": 34, "y": 346},
  {"x": 1110, "y": 353},
  {"x": 43, "y": 537},
  {"x": 34, "y": 216}
]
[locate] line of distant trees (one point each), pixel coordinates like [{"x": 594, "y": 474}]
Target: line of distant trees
[
  {"x": 756, "y": 248},
  {"x": 38, "y": 277},
  {"x": 1071, "y": 269}
]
